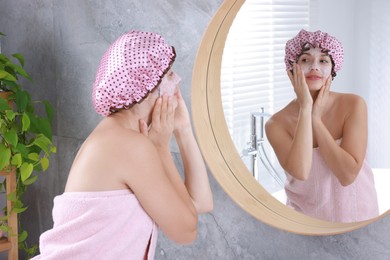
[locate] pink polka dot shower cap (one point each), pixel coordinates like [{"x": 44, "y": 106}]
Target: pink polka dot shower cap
[
  {"x": 328, "y": 43},
  {"x": 129, "y": 70}
]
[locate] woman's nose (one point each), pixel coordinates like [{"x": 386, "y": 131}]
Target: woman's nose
[{"x": 314, "y": 66}]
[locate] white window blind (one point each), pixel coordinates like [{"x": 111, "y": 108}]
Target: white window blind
[{"x": 253, "y": 73}]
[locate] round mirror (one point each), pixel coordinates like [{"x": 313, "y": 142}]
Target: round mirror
[
  {"x": 254, "y": 82},
  {"x": 220, "y": 152}
]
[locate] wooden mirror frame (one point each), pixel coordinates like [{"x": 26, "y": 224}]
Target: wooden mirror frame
[{"x": 219, "y": 150}]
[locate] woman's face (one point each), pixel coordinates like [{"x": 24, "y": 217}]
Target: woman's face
[
  {"x": 169, "y": 83},
  {"x": 317, "y": 67}
]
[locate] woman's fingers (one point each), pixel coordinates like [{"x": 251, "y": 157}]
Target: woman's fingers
[
  {"x": 322, "y": 98},
  {"x": 324, "y": 91},
  {"x": 296, "y": 73},
  {"x": 156, "y": 116},
  {"x": 164, "y": 113},
  {"x": 143, "y": 127},
  {"x": 171, "y": 110},
  {"x": 328, "y": 83},
  {"x": 164, "y": 108},
  {"x": 291, "y": 77}
]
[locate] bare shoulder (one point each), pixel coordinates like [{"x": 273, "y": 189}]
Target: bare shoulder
[
  {"x": 349, "y": 97},
  {"x": 349, "y": 102},
  {"x": 107, "y": 156},
  {"x": 281, "y": 119},
  {"x": 125, "y": 144}
]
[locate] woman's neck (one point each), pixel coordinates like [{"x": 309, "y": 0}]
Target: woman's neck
[{"x": 130, "y": 118}]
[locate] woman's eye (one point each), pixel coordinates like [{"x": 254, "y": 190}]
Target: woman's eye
[{"x": 324, "y": 61}]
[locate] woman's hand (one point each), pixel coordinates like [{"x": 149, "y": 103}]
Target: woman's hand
[
  {"x": 298, "y": 80},
  {"x": 182, "y": 117},
  {"x": 161, "y": 128},
  {"x": 319, "y": 104}
]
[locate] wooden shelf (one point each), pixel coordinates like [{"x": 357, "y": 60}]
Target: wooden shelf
[
  {"x": 10, "y": 244},
  {"x": 5, "y": 245}
]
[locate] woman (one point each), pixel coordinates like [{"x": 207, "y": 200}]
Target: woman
[
  {"x": 320, "y": 138},
  {"x": 123, "y": 183}
]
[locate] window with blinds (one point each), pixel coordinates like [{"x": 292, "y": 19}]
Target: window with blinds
[{"x": 253, "y": 74}]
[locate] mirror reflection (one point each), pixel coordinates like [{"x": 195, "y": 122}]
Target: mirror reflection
[{"x": 255, "y": 84}]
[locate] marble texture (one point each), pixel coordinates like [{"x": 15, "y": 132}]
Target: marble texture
[{"x": 63, "y": 41}]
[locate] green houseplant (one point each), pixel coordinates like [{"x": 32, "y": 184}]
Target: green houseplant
[{"x": 25, "y": 137}]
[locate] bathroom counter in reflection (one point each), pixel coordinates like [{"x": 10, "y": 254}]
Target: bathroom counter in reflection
[{"x": 382, "y": 181}]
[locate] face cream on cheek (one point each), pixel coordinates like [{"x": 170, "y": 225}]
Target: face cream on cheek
[
  {"x": 306, "y": 68},
  {"x": 169, "y": 86},
  {"x": 324, "y": 70}
]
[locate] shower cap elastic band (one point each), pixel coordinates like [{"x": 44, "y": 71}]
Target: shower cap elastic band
[
  {"x": 328, "y": 43},
  {"x": 129, "y": 70}
]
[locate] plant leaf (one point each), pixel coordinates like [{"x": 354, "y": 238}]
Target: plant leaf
[
  {"x": 18, "y": 203},
  {"x": 19, "y": 210},
  {"x": 22, "y": 98},
  {"x": 10, "y": 83},
  {"x": 25, "y": 170},
  {"x": 4, "y": 228},
  {"x": 22, "y": 236},
  {"x": 12, "y": 197},
  {"x": 25, "y": 122},
  {"x": 30, "y": 180},
  {"x": 5, "y": 156},
  {"x": 10, "y": 115},
  {"x": 6, "y": 76},
  {"x": 49, "y": 110},
  {"x": 42, "y": 142},
  {"x": 33, "y": 156},
  {"x": 17, "y": 160},
  {"x": 11, "y": 137},
  {"x": 44, "y": 163},
  {"x": 40, "y": 125},
  {"x": 21, "y": 148},
  {"x": 4, "y": 105},
  {"x": 19, "y": 70},
  {"x": 19, "y": 57}
]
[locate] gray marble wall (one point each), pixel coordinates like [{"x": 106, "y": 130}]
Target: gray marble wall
[{"x": 63, "y": 41}]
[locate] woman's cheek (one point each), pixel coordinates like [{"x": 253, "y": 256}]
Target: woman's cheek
[
  {"x": 306, "y": 68},
  {"x": 167, "y": 88},
  {"x": 326, "y": 71}
]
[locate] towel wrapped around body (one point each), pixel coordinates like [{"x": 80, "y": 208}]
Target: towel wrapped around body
[
  {"x": 99, "y": 225},
  {"x": 322, "y": 196}
]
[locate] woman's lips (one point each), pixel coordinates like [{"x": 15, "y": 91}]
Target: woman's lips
[{"x": 313, "y": 77}]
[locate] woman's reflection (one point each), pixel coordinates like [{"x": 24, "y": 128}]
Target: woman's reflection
[{"x": 320, "y": 137}]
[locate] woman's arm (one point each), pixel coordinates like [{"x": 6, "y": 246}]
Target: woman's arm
[
  {"x": 159, "y": 187},
  {"x": 294, "y": 152},
  {"x": 196, "y": 179},
  {"x": 345, "y": 160},
  {"x": 156, "y": 183}
]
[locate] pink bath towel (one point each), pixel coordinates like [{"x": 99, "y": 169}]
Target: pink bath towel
[
  {"x": 98, "y": 225},
  {"x": 322, "y": 196}
]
